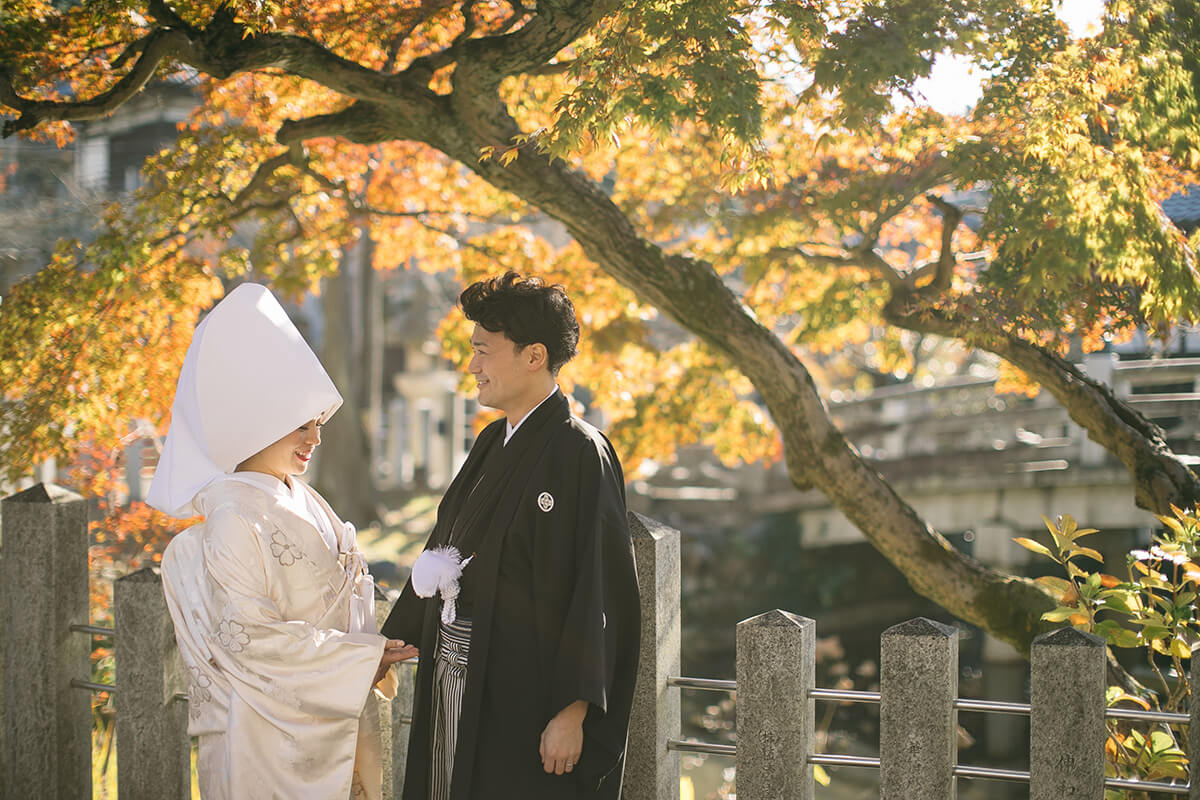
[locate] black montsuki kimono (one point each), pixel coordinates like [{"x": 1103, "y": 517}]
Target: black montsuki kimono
[{"x": 552, "y": 595}]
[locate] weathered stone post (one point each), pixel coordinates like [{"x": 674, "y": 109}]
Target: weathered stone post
[
  {"x": 652, "y": 771},
  {"x": 1066, "y": 739},
  {"x": 776, "y": 671},
  {"x": 47, "y": 724},
  {"x": 154, "y": 760},
  {"x": 918, "y": 725},
  {"x": 394, "y": 715},
  {"x": 401, "y": 724}
]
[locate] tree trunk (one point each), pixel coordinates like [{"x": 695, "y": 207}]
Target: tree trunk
[{"x": 344, "y": 475}]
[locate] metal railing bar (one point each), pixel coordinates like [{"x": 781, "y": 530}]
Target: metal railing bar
[
  {"x": 1146, "y": 716},
  {"x": 995, "y": 706},
  {"x": 1150, "y": 786},
  {"x": 960, "y": 770},
  {"x": 682, "y": 746},
  {"x": 712, "y": 684},
  {"x": 94, "y": 630},
  {"x": 991, "y": 773},
  {"x": 76, "y": 683},
  {"x": 963, "y": 704},
  {"x": 839, "y": 760},
  {"x": 847, "y": 696}
]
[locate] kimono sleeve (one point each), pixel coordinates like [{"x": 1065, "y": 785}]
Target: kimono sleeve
[
  {"x": 596, "y": 658},
  {"x": 406, "y": 619},
  {"x": 278, "y": 666}
]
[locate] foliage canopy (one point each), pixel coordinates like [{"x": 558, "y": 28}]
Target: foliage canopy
[{"x": 767, "y": 175}]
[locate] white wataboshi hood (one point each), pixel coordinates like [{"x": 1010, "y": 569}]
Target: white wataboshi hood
[{"x": 248, "y": 379}]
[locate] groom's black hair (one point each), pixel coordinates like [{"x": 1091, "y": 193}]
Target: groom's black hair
[{"x": 526, "y": 310}]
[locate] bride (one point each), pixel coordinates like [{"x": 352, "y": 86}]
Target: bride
[{"x": 271, "y": 598}]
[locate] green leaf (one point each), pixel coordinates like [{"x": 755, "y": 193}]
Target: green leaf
[
  {"x": 1162, "y": 742},
  {"x": 1115, "y": 635},
  {"x": 1117, "y": 600}
]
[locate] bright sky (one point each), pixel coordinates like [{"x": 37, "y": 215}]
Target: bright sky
[{"x": 953, "y": 86}]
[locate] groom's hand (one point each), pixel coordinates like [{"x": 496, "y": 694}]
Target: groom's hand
[
  {"x": 395, "y": 650},
  {"x": 562, "y": 740}
]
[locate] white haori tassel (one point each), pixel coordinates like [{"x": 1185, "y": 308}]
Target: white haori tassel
[{"x": 438, "y": 570}]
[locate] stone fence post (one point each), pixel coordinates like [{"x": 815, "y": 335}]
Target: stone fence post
[
  {"x": 395, "y": 715},
  {"x": 776, "y": 672},
  {"x": 154, "y": 760},
  {"x": 1066, "y": 729},
  {"x": 47, "y": 724},
  {"x": 918, "y": 725},
  {"x": 652, "y": 771},
  {"x": 400, "y": 722}
]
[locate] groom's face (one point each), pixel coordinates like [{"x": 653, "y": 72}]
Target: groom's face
[{"x": 504, "y": 372}]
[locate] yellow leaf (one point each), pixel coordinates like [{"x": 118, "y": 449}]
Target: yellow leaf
[
  {"x": 1087, "y": 551},
  {"x": 1063, "y": 589},
  {"x": 1060, "y": 614},
  {"x": 1037, "y": 547},
  {"x": 1179, "y": 648}
]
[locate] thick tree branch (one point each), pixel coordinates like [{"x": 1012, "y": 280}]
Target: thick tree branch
[
  {"x": 164, "y": 15},
  {"x": 1159, "y": 477},
  {"x": 904, "y": 186},
  {"x": 157, "y": 46},
  {"x": 485, "y": 61},
  {"x": 943, "y": 266},
  {"x": 363, "y": 123},
  {"x": 222, "y": 50},
  {"x": 262, "y": 175},
  {"x": 859, "y": 259}
]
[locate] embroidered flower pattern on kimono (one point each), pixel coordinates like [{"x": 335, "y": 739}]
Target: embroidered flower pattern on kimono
[
  {"x": 286, "y": 552},
  {"x": 198, "y": 691},
  {"x": 232, "y": 635}
]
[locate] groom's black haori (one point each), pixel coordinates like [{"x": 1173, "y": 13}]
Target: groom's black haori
[{"x": 552, "y": 597}]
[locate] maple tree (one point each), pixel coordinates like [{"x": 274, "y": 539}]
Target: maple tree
[{"x": 762, "y": 174}]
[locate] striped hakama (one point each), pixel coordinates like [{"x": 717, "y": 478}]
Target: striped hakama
[{"x": 449, "y": 684}]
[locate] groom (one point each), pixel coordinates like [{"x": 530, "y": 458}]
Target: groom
[{"x": 530, "y": 643}]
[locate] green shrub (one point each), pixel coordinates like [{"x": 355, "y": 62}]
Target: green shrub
[{"x": 1152, "y": 609}]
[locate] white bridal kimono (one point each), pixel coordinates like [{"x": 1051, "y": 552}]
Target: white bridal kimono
[
  {"x": 277, "y": 633},
  {"x": 274, "y": 619}
]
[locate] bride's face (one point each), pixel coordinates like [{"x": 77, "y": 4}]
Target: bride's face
[{"x": 288, "y": 456}]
